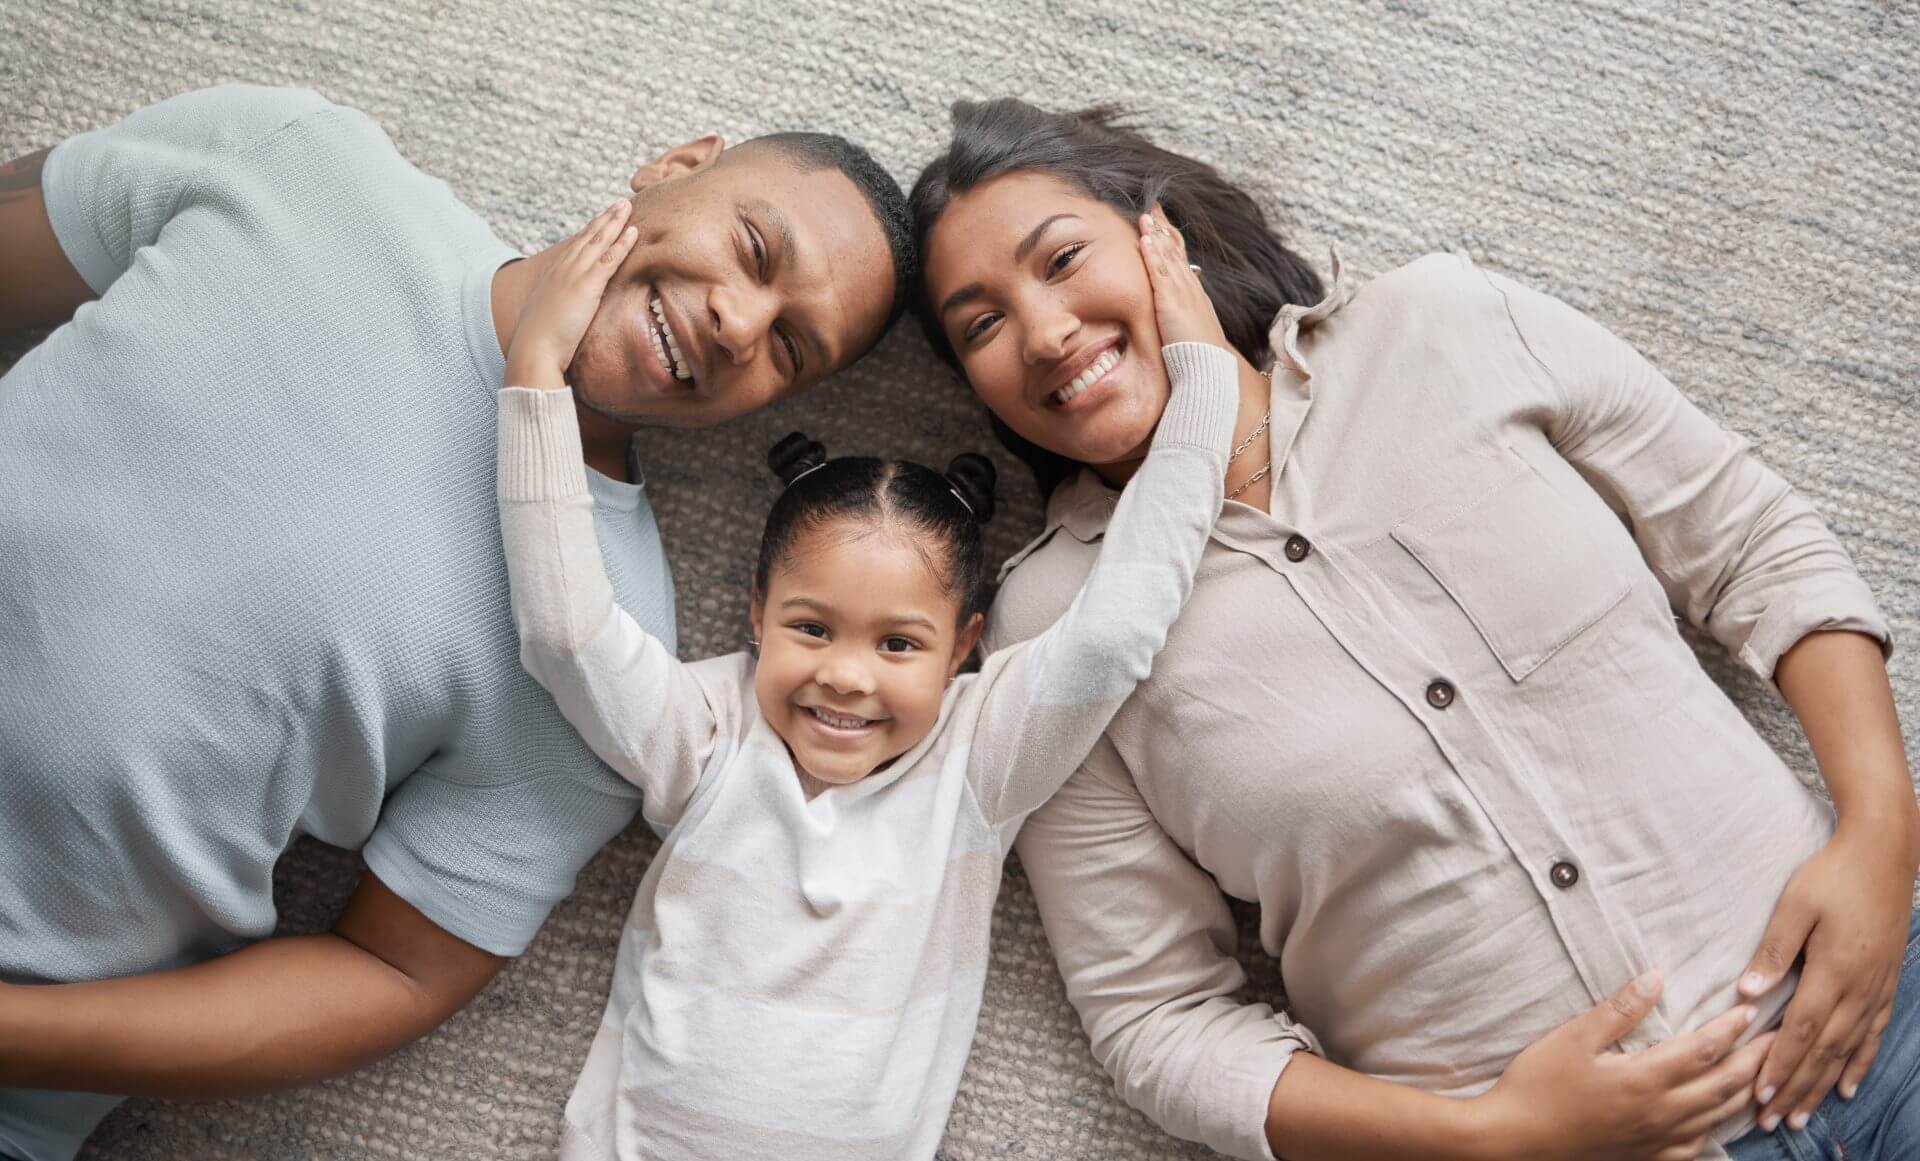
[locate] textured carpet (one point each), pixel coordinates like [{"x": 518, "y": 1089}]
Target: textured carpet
[{"x": 1730, "y": 185}]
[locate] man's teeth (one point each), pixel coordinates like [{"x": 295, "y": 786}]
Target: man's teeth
[
  {"x": 838, "y": 721},
  {"x": 665, "y": 347},
  {"x": 1088, "y": 377}
]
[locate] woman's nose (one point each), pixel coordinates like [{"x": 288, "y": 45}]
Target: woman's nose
[{"x": 1047, "y": 335}]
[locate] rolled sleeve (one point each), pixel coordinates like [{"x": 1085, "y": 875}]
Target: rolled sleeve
[
  {"x": 487, "y": 863},
  {"x": 1740, "y": 553}
]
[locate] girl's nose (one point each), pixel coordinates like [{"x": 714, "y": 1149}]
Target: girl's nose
[{"x": 844, "y": 675}]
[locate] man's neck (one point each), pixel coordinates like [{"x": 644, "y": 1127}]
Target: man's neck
[{"x": 603, "y": 441}]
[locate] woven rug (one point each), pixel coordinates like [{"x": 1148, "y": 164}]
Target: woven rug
[{"x": 1730, "y": 185}]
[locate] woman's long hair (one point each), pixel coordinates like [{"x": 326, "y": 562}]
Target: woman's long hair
[{"x": 1246, "y": 268}]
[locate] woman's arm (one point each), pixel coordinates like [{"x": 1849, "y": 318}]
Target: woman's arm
[
  {"x": 1748, "y": 560},
  {"x": 633, "y": 702},
  {"x": 1145, "y": 944}
]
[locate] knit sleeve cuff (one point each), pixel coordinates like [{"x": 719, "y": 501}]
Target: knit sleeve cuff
[
  {"x": 540, "y": 456},
  {"x": 1205, "y": 400}
]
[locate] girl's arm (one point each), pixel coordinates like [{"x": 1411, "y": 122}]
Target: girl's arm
[
  {"x": 1747, "y": 559},
  {"x": 1043, "y": 703},
  {"x": 633, "y": 702}
]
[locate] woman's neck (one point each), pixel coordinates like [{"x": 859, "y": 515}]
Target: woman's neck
[{"x": 1256, "y": 397}]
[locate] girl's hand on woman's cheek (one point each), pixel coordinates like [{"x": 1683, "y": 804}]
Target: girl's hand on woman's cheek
[
  {"x": 1180, "y": 304},
  {"x": 562, "y": 305}
]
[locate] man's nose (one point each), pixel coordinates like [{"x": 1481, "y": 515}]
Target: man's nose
[{"x": 740, "y": 320}]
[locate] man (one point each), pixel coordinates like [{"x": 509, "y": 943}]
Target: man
[{"x": 251, "y": 583}]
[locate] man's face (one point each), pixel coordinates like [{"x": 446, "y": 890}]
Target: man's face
[{"x": 752, "y": 278}]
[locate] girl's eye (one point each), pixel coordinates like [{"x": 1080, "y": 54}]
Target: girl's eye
[
  {"x": 811, "y": 629},
  {"x": 1060, "y": 260},
  {"x": 980, "y": 326},
  {"x": 898, "y": 645}
]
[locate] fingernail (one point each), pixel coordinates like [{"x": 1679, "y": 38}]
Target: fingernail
[
  {"x": 1766, "y": 1095},
  {"x": 1798, "y": 1121},
  {"x": 1847, "y": 1090},
  {"x": 1770, "y": 1122},
  {"x": 1753, "y": 982},
  {"x": 1647, "y": 982},
  {"x": 1748, "y": 1015}
]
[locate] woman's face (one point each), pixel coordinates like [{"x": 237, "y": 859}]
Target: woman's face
[{"x": 1044, "y": 296}]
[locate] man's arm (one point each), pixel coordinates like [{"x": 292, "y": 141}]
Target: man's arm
[
  {"x": 38, "y": 285},
  {"x": 283, "y": 1012}
]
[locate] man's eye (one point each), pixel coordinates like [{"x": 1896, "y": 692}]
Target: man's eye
[
  {"x": 759, "y": 251},
  {"x": 1061, "y": 259},
  {"x": 899, "y": 645},
  {"x": 793, "y": 352}
]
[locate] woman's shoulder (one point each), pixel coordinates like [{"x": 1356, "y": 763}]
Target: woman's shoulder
[{"x": 1038, "y": 583}]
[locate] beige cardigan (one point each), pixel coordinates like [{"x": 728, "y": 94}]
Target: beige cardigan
[{"x": 1433, "y": 714}]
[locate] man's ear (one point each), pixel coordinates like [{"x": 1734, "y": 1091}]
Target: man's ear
[
  {"x": 964, "y": 643},
  {"x": 692, "y": 157}
]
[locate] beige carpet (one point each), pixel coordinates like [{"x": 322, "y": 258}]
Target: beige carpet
[{"x": 1731, "y": 185}]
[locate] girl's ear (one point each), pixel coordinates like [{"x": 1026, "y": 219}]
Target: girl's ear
[
  {"x": 964, "y": 643},
  {"x": 756, "y": 610}
]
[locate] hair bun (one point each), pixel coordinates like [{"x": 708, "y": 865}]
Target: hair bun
[
  {"x": 972, "y": 475},
  {"x": 795, "y": 455}
]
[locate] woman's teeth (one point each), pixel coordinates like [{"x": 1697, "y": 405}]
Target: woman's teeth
[
  {"x": 838, "y": 721},
  {"x": 665, "y": 347},
  {"x": 1088, "y": 377}
]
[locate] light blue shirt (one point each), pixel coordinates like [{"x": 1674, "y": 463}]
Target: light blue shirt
[{"x": 251, "y": 578}]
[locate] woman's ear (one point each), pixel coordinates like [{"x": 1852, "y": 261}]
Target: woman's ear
[
  {"x": 964, "y": 643},
  {"x": 691, "y": 157}
]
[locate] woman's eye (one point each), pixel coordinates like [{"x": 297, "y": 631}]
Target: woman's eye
[
  {"x": 1065, "y": 256},
  {"x": 898, "y": 645},
  {"x": 980, "y": 326}
]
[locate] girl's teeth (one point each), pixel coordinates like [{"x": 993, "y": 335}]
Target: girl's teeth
[
  {"x": 1088, "y": 377},
  {"x": 838, "y": 722}
]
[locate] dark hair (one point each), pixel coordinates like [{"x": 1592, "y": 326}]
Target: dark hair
[
  {"x": 1246, "y": 267},
  {"x": 884, "y": 197},
  {"x": 947, "y": 509}
]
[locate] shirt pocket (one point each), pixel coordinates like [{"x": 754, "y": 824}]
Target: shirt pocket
[{"x": 1518, "y": 560}]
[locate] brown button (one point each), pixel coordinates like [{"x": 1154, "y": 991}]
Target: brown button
[
  {"x": 1297, "y": 548},
  {"x": 1564, "y": 874},
  {"x": 1440, "y": 694}
]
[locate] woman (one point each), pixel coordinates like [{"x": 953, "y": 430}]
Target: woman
[{"x": 1427, "y": 705}]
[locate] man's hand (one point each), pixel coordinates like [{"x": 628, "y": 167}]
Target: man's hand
[
  {"x": 563, "y": 302},
  {"x": 283, "y": 1012},
  {"x": 1572, "y": 1097},
  {"x": 1846, "y": 909}
]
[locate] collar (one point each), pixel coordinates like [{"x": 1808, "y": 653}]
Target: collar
[{"x": 1084, "y": 504}]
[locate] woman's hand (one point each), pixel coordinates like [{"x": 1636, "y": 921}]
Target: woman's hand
[
  {"x": 1847, "y": 908},
  {"x": 1181, "y": 307},
  {"x": 561, "y": 307},
  {"x": 1570, "y": 1096}
]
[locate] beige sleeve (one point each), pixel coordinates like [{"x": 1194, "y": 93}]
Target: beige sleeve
[
  {"x": 1145, "y": 943},
  {"x": 1740, "y": 553}
]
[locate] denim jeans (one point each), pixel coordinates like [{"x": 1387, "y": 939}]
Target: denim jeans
[{"x": 1882, "y": 1121}]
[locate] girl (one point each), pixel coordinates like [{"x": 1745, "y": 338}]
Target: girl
[
  {"x": 801, "y": 971},
  {"x": 1428, "y": 707}
]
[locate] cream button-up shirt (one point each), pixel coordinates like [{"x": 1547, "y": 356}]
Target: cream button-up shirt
[{"x": 1434, "y": 715}]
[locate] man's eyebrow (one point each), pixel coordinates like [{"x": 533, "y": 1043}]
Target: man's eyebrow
[
  {"x": 973, "y": 290},
  {"x": 808, "y": 331}
]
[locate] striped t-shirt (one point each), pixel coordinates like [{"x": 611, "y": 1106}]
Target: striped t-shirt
[{"x": 800, "y": 978}]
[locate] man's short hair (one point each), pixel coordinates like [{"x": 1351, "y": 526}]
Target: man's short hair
[{"x": 884, "y": 197}]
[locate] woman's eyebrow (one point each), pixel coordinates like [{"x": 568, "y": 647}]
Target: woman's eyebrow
[{"x": 973, "y": 290}]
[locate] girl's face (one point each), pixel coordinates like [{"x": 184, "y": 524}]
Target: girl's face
[
  {"x": 858, "y": 639},
  {"x": 1044, "y": 296}
]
